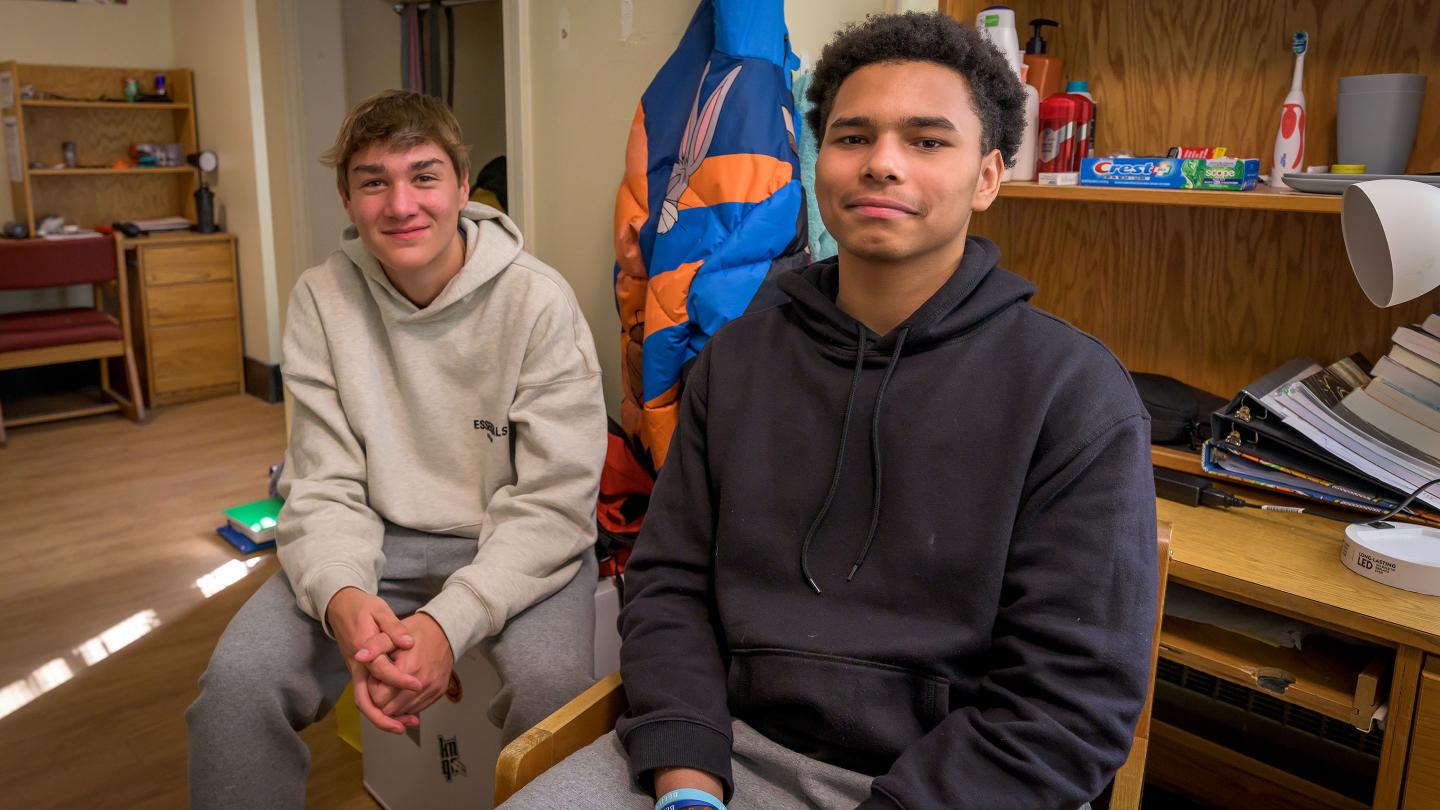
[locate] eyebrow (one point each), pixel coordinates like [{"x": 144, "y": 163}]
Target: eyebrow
[
  {"x": 929, "y": 122},
  {"x": 913, "y": 122},
  {"x": 375, "y": 168}
]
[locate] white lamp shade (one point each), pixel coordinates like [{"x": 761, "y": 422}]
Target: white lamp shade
[{"x": 1392, "y": 236}]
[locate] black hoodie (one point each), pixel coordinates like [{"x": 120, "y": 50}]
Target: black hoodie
[{"x": 927, "y": 556}]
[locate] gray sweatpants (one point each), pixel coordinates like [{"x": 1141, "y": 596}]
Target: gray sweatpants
[
  {"x": 767, "y": 775},
  {"x": 274, "y": 672}
]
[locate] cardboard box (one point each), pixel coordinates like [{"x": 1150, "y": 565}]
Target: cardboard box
[{"x": 449, "y": 761}]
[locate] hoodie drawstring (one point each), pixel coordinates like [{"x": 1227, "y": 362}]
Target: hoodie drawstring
[
  {"x": 839, "y": 460},
  {"x": 875, "y": 451},
  {"x": 875, "y": 456}
]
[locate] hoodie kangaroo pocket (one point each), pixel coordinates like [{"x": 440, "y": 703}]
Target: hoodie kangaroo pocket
[{"x": 855, "y": 714}]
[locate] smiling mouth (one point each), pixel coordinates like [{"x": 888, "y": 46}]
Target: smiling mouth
[
  {"x": 406, "y": 234},
  {"x": 881, "y": 208}
]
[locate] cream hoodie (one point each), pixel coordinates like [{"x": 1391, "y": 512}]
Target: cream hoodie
[{"x": 479, "y": 416}]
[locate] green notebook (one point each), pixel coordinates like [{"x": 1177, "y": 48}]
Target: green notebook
[{"x": 256, "y": 520}]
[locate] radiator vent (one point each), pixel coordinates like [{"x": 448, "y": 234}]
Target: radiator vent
[{"x": 1268, "y": 706}]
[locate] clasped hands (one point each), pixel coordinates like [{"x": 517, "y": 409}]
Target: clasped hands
[{"x": 398, "y": 666}]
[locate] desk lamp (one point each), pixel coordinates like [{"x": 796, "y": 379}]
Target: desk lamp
[
  {"x": 204, "y": 197},
  {"x": 1392, "y": 237}
]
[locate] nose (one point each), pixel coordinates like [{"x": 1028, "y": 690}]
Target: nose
[
  {"x": 885, "y": 161},
  {"x": 401, "y": 202}
]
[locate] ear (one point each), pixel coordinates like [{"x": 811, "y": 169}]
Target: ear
[
  {"x": 987, "y": 184},
  {"x": 345, "y": 201}
]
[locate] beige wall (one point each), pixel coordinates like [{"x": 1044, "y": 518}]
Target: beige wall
[
  {"x": 133, "y": 35},
  {"x": 323, "y": 104},
  {"x": 584, "y": 91},
  {"x": 220, "y": 41},
  {"x": 480, "y": 80},
  {"x": 371, "y": 32}
]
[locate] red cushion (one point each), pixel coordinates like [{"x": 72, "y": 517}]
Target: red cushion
[{"x": 55, "y": 327}]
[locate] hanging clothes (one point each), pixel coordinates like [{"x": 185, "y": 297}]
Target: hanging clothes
[
  {"x": 421, "y": 61},
  {"x": 412, "y": 76},
  {"x": 711, "y": 203}
]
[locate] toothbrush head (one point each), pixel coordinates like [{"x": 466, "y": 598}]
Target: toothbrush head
[{"x": 1300, "y": 42}]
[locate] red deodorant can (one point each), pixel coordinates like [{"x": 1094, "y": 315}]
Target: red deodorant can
[{"x": 1064, "y": 138}]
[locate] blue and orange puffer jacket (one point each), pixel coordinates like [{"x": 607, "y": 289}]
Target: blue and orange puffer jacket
[{"x": 711, "y": 203}]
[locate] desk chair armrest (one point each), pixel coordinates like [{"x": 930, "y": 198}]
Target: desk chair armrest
[{"x": 573, "y": 726}]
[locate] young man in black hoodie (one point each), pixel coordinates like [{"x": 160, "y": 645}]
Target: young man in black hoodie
[{"x": 902, "y": 553}]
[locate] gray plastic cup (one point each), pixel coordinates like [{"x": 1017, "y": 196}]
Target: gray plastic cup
[{"x": 1376, "y": 118}]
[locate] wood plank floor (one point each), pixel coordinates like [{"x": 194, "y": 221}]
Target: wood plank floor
[{"x": 106, "y": 529}]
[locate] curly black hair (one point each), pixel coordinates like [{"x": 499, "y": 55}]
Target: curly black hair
[{"x": 995, "y": 92}]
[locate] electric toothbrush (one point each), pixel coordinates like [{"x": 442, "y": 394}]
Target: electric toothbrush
[{"x": 1289, "y": 155}]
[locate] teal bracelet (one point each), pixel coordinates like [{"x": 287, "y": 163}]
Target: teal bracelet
[{"x": 688, "y": 797}]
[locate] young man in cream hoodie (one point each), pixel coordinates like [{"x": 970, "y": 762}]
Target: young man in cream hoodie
[{"x": 445, "y": 451}]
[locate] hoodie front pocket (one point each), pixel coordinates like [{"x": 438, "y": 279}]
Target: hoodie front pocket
[{"x": 856, "y": 714}]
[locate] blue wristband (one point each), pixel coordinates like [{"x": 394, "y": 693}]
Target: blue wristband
[{"x": 688, "y": 797}]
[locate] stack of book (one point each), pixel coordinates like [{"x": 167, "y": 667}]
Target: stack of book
[
  {"x": 1341, "y": 435},
  {"x": 250, "y": 527}
]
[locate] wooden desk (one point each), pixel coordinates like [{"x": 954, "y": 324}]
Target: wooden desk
[
  {"x": 1290, "y": 564},
  {"x": 185, "y": 307}
]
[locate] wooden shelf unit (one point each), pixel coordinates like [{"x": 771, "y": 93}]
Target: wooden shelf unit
[
  {"x": 102, "y": 132},
  {"x": 1263, "y": 198},
  {"x": 103, "y": 105},
  {"x": 1219, "y": 288},
  {"x": 1213, "y": 288},
  {"x": 93, "y": 172}
]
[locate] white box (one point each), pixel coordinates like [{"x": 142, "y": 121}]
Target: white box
[{"x": 449, "y": 761}]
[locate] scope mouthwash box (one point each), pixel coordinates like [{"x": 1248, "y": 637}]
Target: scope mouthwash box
[{"x": 1214, "y": 174}]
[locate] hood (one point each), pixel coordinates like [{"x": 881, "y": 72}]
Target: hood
[
  {"x": 976, "y": 291},
  {"x": 492, "y": 242}
]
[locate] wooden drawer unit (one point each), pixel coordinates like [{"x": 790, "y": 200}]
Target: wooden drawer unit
[
  {"x": 181, "y": 263},
  {"x": 1422, "y": 777},
  {"x": 193, "y": 356},
  {"x": 188, "y": 303},
  {"x": 190, "y": 346}
]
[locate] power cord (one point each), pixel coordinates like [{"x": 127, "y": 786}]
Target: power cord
[{"x": 1195, "y": 490}]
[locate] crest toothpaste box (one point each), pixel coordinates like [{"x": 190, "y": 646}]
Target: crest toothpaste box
[
  {"x": 1213, "y": 174},
  {"x": 1132, "y": 171}
]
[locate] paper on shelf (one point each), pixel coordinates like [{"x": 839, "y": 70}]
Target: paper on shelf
[{"x": 163, "y": 224}]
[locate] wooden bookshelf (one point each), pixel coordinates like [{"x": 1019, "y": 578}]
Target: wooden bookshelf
[
  {"x": 82, "y": 110},
  {"x": 1213, "y": 288},
  {"x": 1262, "y": 198},
  {"x": 61, "y": 104},
  {"x": 87, "y": 172}
]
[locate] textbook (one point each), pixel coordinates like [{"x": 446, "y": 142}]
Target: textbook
[
  {"x": 256, "y": 520},
  {"x": 241, "y": 543}
]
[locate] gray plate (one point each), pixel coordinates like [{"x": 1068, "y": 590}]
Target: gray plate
[{"x": 1336, "y": 183}]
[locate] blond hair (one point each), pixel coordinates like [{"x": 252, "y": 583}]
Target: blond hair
[{"x": 400, "y": 119}]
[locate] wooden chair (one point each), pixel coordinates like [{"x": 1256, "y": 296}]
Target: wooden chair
[
  {"x": 46, "y": 337},
  {"x": 594, "y": 712}
]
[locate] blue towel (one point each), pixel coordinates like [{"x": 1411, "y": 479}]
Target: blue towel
[{"x": 822, "y": 244}]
